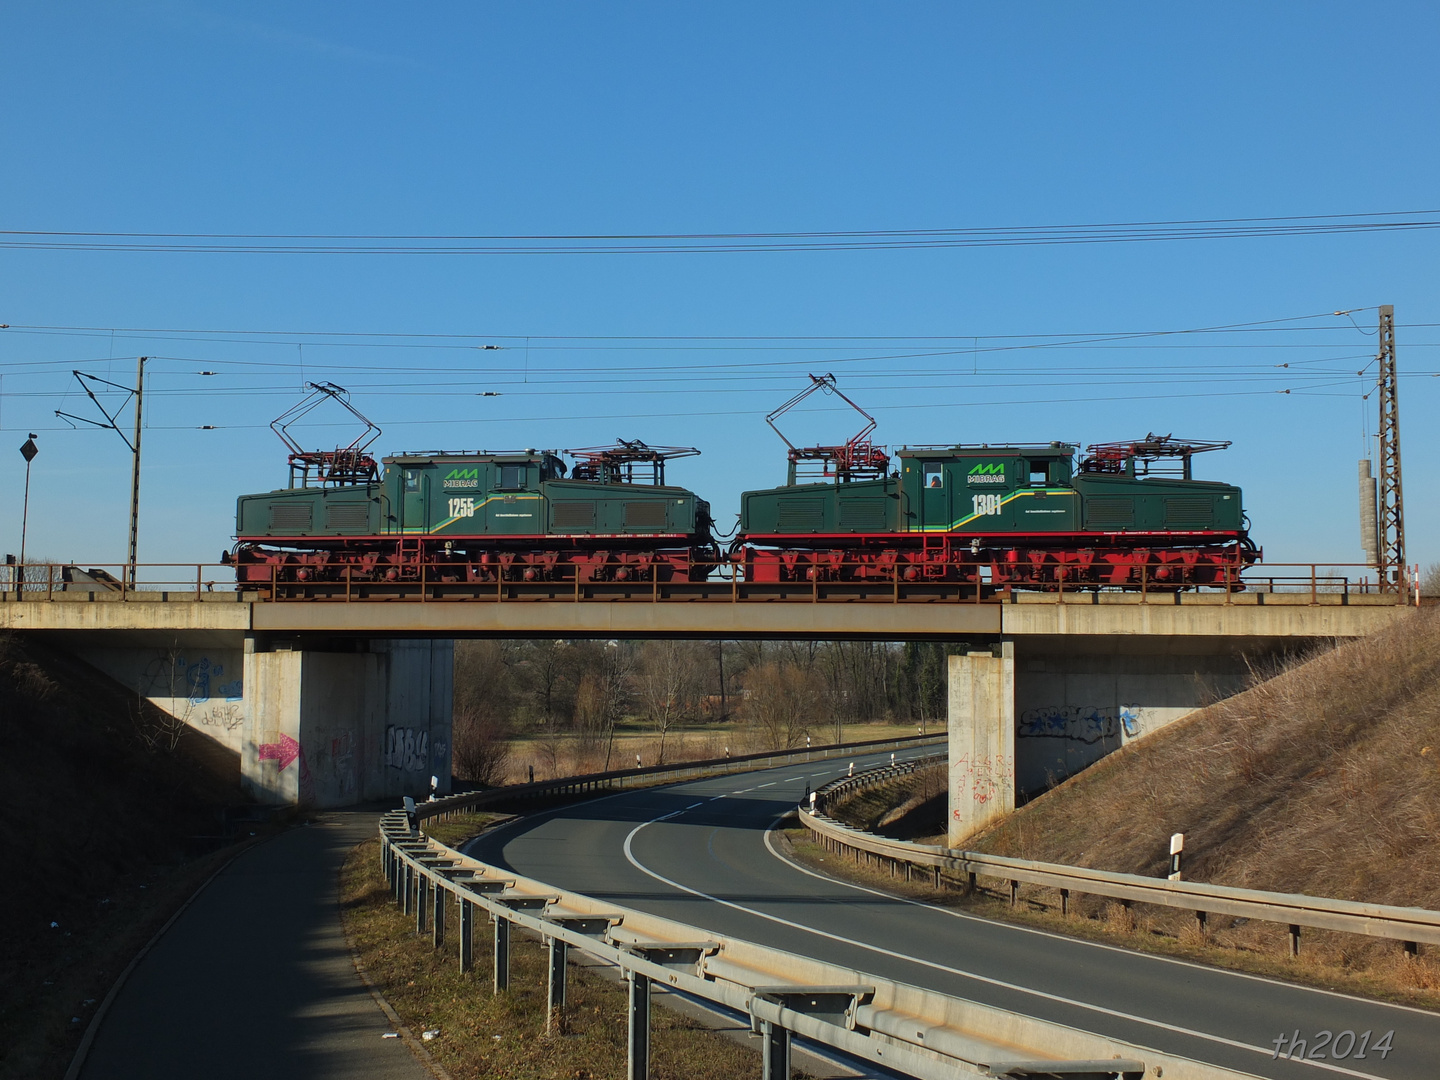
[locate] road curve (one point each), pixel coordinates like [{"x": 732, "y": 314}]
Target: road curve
[{"x": 700, "y": 852}]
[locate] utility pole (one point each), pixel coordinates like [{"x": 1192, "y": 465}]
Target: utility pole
[
  {"x": 111, "y": 422},
  {"x": 1390, "y": 501},
  {"x": 135, "y": 469}
]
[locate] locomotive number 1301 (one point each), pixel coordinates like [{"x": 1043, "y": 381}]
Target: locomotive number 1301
[{"x": 986, "y": 504}]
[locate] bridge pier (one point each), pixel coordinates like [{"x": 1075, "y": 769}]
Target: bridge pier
[
  {"x": 1030, "y": 712},
  {"x": 982, "y": 739},
  {"x": 335, "y": 728}
]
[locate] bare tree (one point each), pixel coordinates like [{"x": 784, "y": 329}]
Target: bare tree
[
  {"x": 481, "y": 745},
  {"x": 782, "y": 699},
  {"x": 668, "y": 680}
]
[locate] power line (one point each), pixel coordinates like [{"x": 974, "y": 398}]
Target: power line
[
  {"x": 287, "y": 336},
  {"x": 718, "y": 242}
]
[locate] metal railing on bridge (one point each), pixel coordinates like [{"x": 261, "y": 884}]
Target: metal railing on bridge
[{"x": 1314, "y": 584}]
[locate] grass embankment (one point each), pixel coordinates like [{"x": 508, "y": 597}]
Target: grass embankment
[
  {"x": 99, "y": 837},
  {"x": 1323, "y": 779},
  {"x": 483, "y": 1034}
]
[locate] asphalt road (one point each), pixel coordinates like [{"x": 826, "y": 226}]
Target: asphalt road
[
  {"x": 254, "y": 979},
  {"x": 698, "y": 852}
]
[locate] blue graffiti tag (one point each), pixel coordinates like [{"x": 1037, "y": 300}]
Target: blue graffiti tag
[
  {"x": 1079, "y": 723},
  {"x": 197, "y": 677},
  {"x": 1130, "y": 720}
]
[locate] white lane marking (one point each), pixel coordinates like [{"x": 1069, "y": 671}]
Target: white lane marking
[
  {"x": 772, "y": 783},
  {"x": 1176, "y": 1029},
  {"x": 1093, "y": 944},
  {"x": 702, "y": 802},
  {"x": 512, "y": 826}
]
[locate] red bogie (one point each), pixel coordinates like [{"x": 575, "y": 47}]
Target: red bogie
[
  {"x": 933, "y": 559},
  {"x": 257, "y": 563}
]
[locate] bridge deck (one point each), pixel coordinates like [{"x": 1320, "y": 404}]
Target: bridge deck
[{"x": 711, "y": 610}]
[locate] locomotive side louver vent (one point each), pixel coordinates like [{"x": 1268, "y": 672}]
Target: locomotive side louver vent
[
  {"x": 1189, "y": 511},
  {"x": 644, "y": 515},
  {"x": 1109, "y": 511},
  {"x": 863, "y": 514},
  {"x": 292, "y": 516},
  {"x": 348, "y": 515},
  {"x": 802, "y": 515},
  {"x": 574, "y": 515}
]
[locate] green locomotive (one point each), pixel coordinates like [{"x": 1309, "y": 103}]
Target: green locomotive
[
  {"x": 1130, "y": 515},
  {"x": 473, "y": 516}
]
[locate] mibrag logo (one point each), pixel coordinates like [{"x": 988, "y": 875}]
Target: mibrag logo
[
  {"x": 464, "y": 479},
  {"x": 987, "y": 473}
]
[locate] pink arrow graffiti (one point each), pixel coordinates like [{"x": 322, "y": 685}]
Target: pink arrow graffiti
[{"x": 284, "y": 752}]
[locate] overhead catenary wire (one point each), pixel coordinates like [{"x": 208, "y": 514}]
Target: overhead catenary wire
[
  {"x": 720, "y": 242},
  {"x": 1013, "y": 362}
]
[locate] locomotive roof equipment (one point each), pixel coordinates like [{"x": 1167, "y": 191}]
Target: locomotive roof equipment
[
  {"x": 343, "y": 465},
  {"x": 1116, "y": 458},
  {"x": 618, "y": 464},
  {"x": 855, "y": 459}
]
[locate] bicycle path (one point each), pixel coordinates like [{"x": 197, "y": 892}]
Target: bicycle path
[{"x": 255, "y": 978}]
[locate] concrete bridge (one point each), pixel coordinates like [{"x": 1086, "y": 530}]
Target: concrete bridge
[{"x": 343, "y": 699}]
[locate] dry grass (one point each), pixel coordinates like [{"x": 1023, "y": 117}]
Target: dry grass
[
  {"x": 483, "y": 1034},
  {"x": 460, "y": 828},
  {"x": 906, "y": 808}
]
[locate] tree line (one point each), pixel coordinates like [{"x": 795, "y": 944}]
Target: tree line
[{"x": 579, "y": 694}]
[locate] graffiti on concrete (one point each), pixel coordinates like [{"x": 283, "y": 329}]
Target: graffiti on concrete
[
  {"x": 342, "y": 760},
  {"x": 1078, "y": 723},
  {"x": 407, "y": 749},
  {"x": 226, "y": 717},
  {"x": 982, "y": 778},
  {"x": 197, "y": 678},
  {"x": 195, "y": 690},
  {"x": 1130, "y": 720},
  {"x": 283, "y": 753}
]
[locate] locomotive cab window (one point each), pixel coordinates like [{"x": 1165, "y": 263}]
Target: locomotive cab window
[
  {"x": 1039, "y": 474},
  {"x": 512, "y": 477},
  {"x": 412, "y": 480},
  {"x": 934, "y": 474}
]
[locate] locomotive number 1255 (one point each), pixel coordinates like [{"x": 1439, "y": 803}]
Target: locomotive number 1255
[
  {"x": 986, "y": 504},
  {"x": 462, "y": 507}
]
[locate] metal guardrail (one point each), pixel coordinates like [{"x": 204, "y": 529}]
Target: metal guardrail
[
  {"x": 1275, "y": 583},
  {"x": 1412, "y": 926},
  {"x": 925, "y": 1034},
  {"x": 618, "y": 779}
]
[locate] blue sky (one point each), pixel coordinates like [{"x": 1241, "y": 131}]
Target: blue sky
[{"x": 641, "y": 119}]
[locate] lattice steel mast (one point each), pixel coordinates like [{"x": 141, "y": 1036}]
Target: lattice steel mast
[{"x": 1391, "y": 503}]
